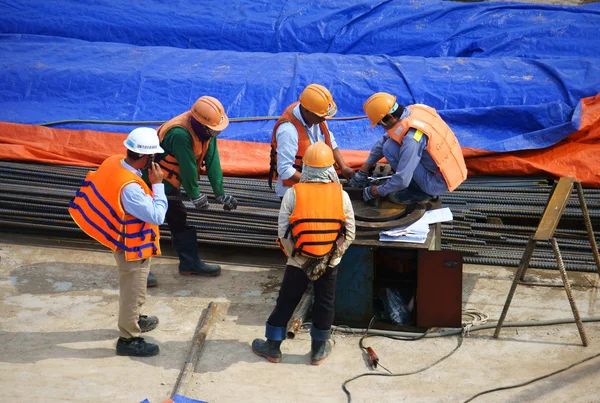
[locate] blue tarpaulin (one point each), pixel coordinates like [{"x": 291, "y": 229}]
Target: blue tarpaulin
[
  {"x": 427, "y": 28},
  {"x": 497, "y": 104}
]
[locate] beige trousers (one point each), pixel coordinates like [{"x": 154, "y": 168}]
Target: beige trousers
[{"x": 132, "y": 289}]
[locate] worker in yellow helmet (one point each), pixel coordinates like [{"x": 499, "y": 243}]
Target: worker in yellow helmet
[
  {"x": 316, "y": 226},
  {"x": 303, "y": 123},
  {"x": 420, "y": 147}
]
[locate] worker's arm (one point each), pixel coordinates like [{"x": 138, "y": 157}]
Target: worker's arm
[
  {"x": 345, "y": 241},
  {"x": 346, "y": 171},
  {"x": 285, "y": 211},
  {"x": 213, "y": 168},
  {"x": 375, "y": 155},
  {"x": 179, "y": 143},
  {"x": 142, "y": 206},
  {"x": 409, "y": 156},
  {"x": 287, "y": 148}
]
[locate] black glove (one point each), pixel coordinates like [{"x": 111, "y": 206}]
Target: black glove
[
  {"x": 359, "y": 180},
  {"x": 201, "y": 202},
  {"x": 229, "y": 203}
]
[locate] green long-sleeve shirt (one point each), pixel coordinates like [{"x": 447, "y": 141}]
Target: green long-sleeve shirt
[{"x": 178, "y": 142}]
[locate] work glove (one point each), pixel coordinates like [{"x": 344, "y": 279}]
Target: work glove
[
  {"x": 229, "y": 202},
  {"x": 370, "y": 193},
  {"x": 359, "y": 180},
  {"x": 201, "y": 202}
]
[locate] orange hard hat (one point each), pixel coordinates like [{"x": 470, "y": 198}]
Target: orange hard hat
[
  {"x": 318, "y": 100},
  {"x": 378, "y": 105},
  {"x": 318, "y": 155},
  {"x": 210, "y": 112}
]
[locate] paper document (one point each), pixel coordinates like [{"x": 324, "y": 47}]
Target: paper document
[{"x": 416, "y": 232}]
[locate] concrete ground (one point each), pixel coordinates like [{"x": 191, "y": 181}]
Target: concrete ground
[{"x": 58, "y": 313}]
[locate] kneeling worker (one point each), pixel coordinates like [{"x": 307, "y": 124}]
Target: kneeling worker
[
  {"x": 116, "y": 207},
  {"x": 316, "y": 226},
  {"x": 423, "y": 151}
]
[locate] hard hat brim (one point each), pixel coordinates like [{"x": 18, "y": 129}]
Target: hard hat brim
[{"x": 221, "y": 126}]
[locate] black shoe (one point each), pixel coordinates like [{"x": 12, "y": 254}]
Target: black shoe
[
  {"x": 319, "y": 351},
  {"x": 268, "y": 349},
  {"x": 186, "y": 246},
  {"x": 136, "y": 347},
  {"x": 151, "y": 281},
  {"x": 147, "y": 323}
]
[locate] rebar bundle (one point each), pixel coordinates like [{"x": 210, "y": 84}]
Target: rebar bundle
[{"x": 493, "y": 217}]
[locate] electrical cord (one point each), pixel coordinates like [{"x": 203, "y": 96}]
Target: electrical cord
[
  {"x": 391, "y": 374},
  {"x": 160, "y": 122},
  {"x": 532, "y": 380}
]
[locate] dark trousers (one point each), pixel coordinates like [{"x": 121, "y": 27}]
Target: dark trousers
[
  {"x": 176, "y": 216},
  {"x": 292, "y": 288}
]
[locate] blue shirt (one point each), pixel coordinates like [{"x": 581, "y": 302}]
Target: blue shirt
[
  {"x": 287, "y": 148},
  {"x": 141, "y": 205},
  {"x": 410, "y": 161}
]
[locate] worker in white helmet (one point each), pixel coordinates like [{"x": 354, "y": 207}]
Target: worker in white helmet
[{"x": 118, "y": 209}]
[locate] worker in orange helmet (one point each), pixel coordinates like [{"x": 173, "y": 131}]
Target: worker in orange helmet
[
  {"x": 190, "y": 144},
  {"x": 316, "y": 226},
  {"x": 303, "y": 123},
  {"x": 420, "y": 147}
]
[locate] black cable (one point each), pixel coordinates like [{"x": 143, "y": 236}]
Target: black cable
[
  {"x": 532, "y": 380},
  {"x": 419, "y": 337}
]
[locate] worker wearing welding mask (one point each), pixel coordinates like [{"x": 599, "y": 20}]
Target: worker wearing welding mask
[
  {"x": 419, "y": 146},
  {"x": 190, "y": 145}
]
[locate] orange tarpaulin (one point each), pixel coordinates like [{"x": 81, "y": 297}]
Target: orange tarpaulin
[{"x": 577, "y": 156}]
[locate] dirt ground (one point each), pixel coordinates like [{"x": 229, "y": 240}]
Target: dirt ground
[{"x": 58, "y": 313}]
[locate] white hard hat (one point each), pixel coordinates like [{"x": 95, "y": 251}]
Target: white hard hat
[{"x": 143, "y": 140}]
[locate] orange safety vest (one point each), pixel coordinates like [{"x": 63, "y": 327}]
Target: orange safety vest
[
  {"x": 318, "y": 218},
  {"x": 169, "y": 163},
  {"x": 303, "y": 143},
  {"x": 442, "y": 144},
  {"x": 97, "y": 210}
]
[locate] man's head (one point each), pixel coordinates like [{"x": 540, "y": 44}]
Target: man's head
[
  {"x": 316, "y": 104},
  {"x": 383, "y": 110},
  {"x": 318, "y": 164},
  {"x": 142, "y": 143},
  {"x": 208, "y": 117}
]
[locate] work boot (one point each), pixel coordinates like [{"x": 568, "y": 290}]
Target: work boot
[
  {"x": 136, "y": 347},
  {"x": 268, "y": 349},
  {"x": 320, "y": 346},
  {"x": 147, "y": 323},
  {"x": 151, "y": 281},
  {"x": 319, "y": 350},
  {"x": 186, "y": 246}
]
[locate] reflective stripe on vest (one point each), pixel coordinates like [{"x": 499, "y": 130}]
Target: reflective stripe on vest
[
  {"x": 169, "y": 163},
  {"x": 318, "y": 218},
  {"x": 303, "y": 142},
  {"x": 97, "y": 210},
  {"x": 442, "y": 144}
]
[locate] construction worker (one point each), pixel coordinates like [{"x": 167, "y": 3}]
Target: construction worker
[
  {"x": 190, "y": 143},
  {"x": 303, "y": 123},
  {"x": 423, "y": 152},
  {"x": 118, "y": 209},
  {"x": 316, "y": 226}
]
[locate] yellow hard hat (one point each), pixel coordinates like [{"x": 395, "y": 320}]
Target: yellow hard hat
[
  {"x": 318, "y": 155},
  {"x": 210, "y": 112},
  {"x": 378, "y": 105},
  {"x": 318, "y": 100}
]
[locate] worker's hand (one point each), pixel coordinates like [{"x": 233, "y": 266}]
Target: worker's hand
[
  {"x": 201, "y": 202},
  {"x": 370, "y": 193},
  {"x": 359, "y": 180},
  {"x": 229, "y": 202},
  {"x": 347, "y": 173},
  {"x": 155, "y": 174}
]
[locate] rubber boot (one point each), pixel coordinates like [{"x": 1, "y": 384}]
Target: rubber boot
[
  {"x": 186, "y": 246},
  {"x": 270, "y": 348},
  {"x": 320, "y": 347},
  {"x": 151, "y": 281},
  {"x": 136, "y": 347}
]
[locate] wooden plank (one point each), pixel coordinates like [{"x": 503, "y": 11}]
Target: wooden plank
[{"x": 554, "y": 209}]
